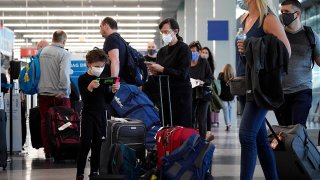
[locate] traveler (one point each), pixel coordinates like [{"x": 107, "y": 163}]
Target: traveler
[
  {"x": 200, "y": 71},
  {"x": 151, "y": 52},
  {"x": 226, "y": 97},
  {"x": 257, "y": 22},
  {"x": 93, "y": 124},
  {"x": 54, "y": 83},
  {"x": 297, "y": 85},
  {"x": 174, "y": 60}
]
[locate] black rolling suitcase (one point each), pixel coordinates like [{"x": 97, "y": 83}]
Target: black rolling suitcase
[
  {"x": 131, "y": 133},
  {"x": 296, "y": 155},
  {"x": 35, "y": 127},
  {"x": 3, "y": 139}
]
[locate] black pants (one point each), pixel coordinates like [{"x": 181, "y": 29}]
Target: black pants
[
  {"x": 295, "y": 109},
  {"x": 181, "y": 104},
  {"x": 199, "y": 109},
  {"x": 93, "y": 127}
]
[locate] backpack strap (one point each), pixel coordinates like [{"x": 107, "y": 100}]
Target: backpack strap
[{"x": 311, "y": 38}]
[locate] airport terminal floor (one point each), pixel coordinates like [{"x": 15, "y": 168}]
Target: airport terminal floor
[{"x": 226, "y": 162}]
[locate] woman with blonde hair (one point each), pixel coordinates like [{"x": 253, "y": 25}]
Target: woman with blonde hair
[
  {"x": 257, "y": 22},
  {"x": 226, "y": 96}
]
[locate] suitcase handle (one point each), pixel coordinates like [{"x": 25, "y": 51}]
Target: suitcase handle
[{"x": 161, "y": 100}]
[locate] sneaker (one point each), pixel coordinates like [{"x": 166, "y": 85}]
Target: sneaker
[
  {"x": 209, "y": 136},
  {"x": 93, "y": 174},
  {"x": 80, "y": 177},
  {"x": 228, "y": 127}
]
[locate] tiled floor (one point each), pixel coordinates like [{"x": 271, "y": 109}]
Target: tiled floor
[{"x": 226, "y": 162}]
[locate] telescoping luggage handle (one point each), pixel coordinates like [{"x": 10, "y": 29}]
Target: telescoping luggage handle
[
  {"x": 161, "y": 100},
  {"x": 273, "y": 132}
]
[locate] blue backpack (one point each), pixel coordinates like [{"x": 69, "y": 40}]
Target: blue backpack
[
  {"x": 130, "y": 102},
  {"x": 191, "y": 161},
  {"x": 30, "y": 75},
  {"x": 136, "y": 71}
]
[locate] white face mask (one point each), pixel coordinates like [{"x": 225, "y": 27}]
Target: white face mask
[
  {"x": 167, "y": 38},
  {"x": 96, "y": 71}
]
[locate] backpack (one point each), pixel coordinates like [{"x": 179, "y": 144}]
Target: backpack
[
  {"x": 311, "y": 38},
  {"x": 136, "y": 70},
  {"x": 123, "y": 161},
  {"x": 30, "y": 75},
  {"x": 130, "y": 102},
  {"x": 191, "y": 161}
]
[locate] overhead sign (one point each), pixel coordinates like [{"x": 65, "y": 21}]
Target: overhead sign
[
  {"x": 218, "y": 30},
  {"x": 6, "y": 41}
]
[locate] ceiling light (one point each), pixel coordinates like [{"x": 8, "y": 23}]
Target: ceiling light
[
  {"x": 22, "y": 44},
  {"x": 83, "y": 30},
  {"x": 80, "y": 9},
  {"x": 95, "y": 40},
  {"x": 89, "y": 35},
  {"x": 77, "y": 25},
  {"x": 71, "y": 18}
]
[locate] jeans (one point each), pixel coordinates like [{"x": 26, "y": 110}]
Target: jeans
[
  {"x": 45, "y": 102},
  {"x": 227, "y": 111},
  {"x": 295, "y": 109},
  {"x": 254, "y": 141}
]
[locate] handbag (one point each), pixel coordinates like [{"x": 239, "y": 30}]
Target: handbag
[{"x": 238, "y": 85}]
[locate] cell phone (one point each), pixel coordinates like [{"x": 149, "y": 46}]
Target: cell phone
[
  {"x": 108, "y": 80},
  {"x": 149, "y": 62}
]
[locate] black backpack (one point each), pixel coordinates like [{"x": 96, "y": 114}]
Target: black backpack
[
  {"x": 136, "y": 70},
  {"x": 312, "y": 41}
]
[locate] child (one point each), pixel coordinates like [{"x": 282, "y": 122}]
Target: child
[
  {"x": 226, "y": 96},
  {"x": 93, "y": 122}
]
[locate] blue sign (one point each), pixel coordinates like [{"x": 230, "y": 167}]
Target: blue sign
[
  {"x": 218, "y": 30},
  {"x": 78, "y": 67}
]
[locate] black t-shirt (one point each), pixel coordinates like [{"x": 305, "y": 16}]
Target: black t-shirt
[
  {"x": 176, "y": 62},
  {"x": 114, "y": 41},
  {"x": 150, "y": 59},
  {"x": 225, "y": 89},
  {"x": 202, "y": 71},
  {"x": 97, "y": 99}
]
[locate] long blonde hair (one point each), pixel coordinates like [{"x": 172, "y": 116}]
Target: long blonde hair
[
  {"x": 264, "y": 7},
  {"x": 227, "y": 72}
]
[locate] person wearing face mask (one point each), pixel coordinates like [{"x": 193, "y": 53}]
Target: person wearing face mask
[
  {"x": 54, "y": 84},
  {"x": 297, "y": 85},
  {"x": 200, "y": 70},
  {"x": 259, "y": 21},
  {"x": 93, "y": 123},
  {"x": 151, "y": 55},
  {"x": 150, "y": 88},
  {"x": 174, "y": 60}
]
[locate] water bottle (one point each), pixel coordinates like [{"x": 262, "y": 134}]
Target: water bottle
[{"x": 241, "y": 36}]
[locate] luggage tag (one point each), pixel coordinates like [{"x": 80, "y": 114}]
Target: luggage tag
[
  {"x": 274, "y": 143},
  {"x": 65, "y": 126}
]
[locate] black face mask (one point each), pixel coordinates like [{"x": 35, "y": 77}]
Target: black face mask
[
  {"x": 287, "y": 18},
  {"x": 151, "y": 52}
]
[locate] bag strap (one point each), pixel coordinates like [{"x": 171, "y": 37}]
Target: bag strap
[
  {"x": 311, "y": 38},
  {"x": 273, "y": 132}
]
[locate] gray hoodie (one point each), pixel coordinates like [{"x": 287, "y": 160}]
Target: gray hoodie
[{"x": 55, "y": 64}]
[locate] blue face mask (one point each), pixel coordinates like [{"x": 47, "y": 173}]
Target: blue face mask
[
  {"x": 195, "y": 56},
  {"x": 242, "y": 5}
]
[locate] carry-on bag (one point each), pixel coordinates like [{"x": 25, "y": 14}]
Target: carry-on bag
[
  {"x": 123, "y": 131},
  {"x": 3, "y": 140},
  {"x": 172, "y": 137},
  {"x": 63, "y": 132},
  {"x": 296, "y": 155},
  {"x": 35, "y": 127},
  {"x": 191, "y": 161}
]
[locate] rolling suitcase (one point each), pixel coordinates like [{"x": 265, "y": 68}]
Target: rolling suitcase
[
  {"x": 3, "y": 140},
  {"x": 122, "y": 131},
  {"x": 35, "y": 127},
  {"x": 169, "y": 138},
  {"x": 63, "y": 132},
  {"x": 296, "y": 155}
]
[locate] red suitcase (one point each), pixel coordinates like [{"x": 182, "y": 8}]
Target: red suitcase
[{"x": 170, "y": 138}]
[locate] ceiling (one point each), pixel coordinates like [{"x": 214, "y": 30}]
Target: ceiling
[{"x": 81, "y": 19}]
